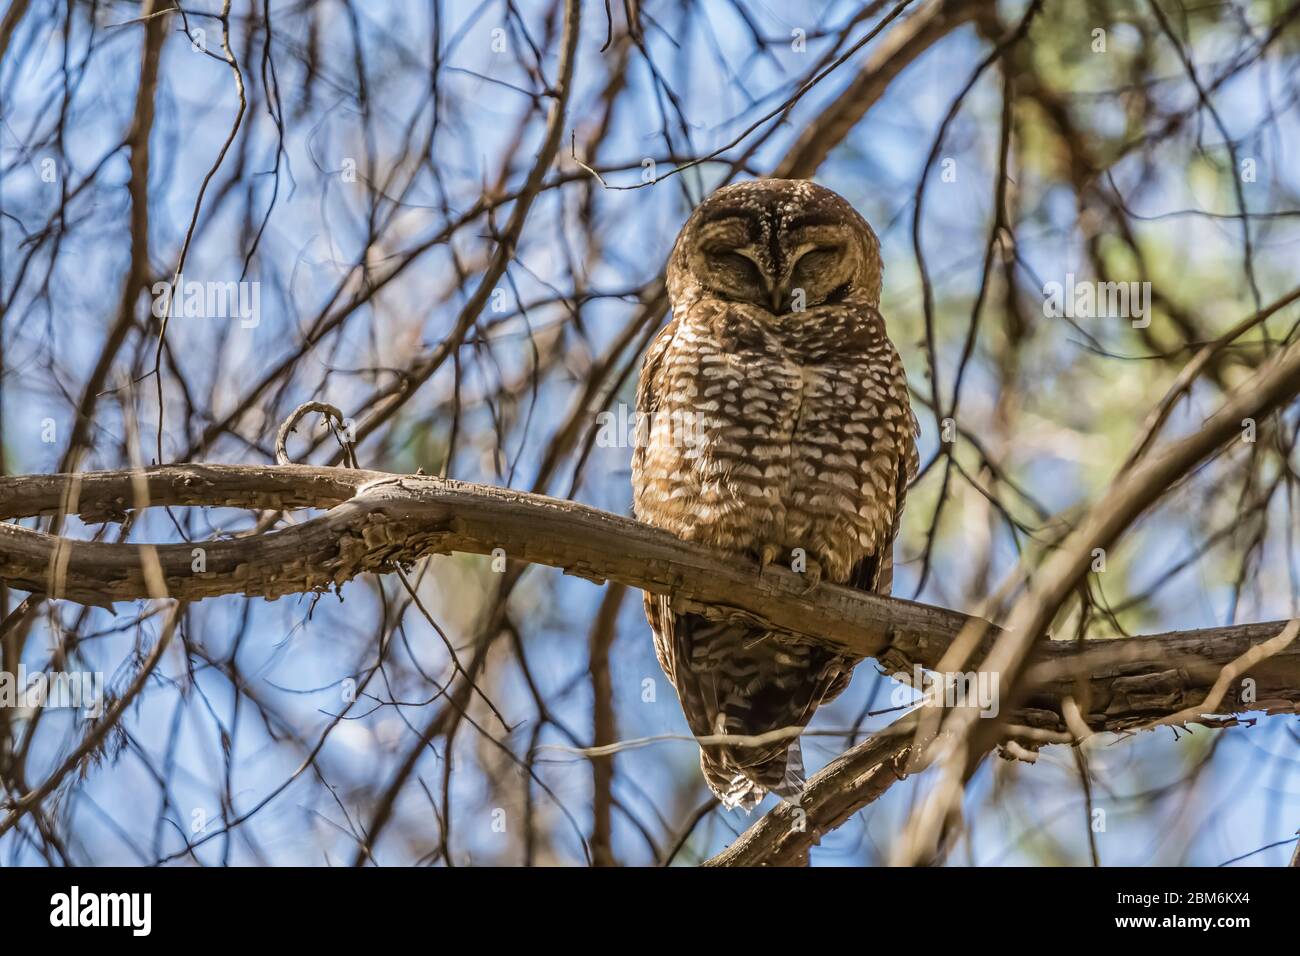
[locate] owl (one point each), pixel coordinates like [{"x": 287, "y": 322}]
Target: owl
[{"x": 774, "y": 425}]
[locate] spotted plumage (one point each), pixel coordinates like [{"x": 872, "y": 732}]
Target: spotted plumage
[{"x": 776, "y": 426}]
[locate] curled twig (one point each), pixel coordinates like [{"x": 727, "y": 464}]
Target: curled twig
[{"x": 332, "y": 415}]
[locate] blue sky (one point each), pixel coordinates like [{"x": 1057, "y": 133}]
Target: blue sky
[{"x": 299, "y": 649}]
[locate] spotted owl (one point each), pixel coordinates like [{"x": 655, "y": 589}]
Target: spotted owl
[{"x": 775, "y": 426}]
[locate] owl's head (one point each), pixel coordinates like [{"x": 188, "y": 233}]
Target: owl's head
[{"x": 778, "y": 244}]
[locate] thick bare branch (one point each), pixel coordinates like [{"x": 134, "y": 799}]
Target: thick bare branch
[
  {"x": 378, "y": 521},
  {"x": 897, "y": 51}
]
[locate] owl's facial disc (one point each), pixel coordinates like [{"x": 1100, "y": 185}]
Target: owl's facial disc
[
  {"x": 782, "y": 245},
  {"x": 782, "y": 270}
]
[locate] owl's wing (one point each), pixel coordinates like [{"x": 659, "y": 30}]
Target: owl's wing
[
  {"x": 650, "y": 387},
  {"x": 875, "y": 572},
  {"x": 658, "y": 607},
  {"x": 659, "y": 612}
]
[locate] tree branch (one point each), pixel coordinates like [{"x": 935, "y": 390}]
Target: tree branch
[
  {"x": 377, "y": 521},
  {"x": 901, "y": 47}
]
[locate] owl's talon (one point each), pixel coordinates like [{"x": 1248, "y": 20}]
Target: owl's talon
[
  {"x": 812, "y": 576},
  {"x": 766, "y": 556}
]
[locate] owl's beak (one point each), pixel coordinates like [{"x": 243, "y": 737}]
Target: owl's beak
[{"x": 778, "y": 295}]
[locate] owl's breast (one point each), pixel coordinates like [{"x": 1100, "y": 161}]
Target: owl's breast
[
  {"x": 770, "y": 436},
  {"x": 719, "y": 415},
  {"x": 844, "y": 461}
]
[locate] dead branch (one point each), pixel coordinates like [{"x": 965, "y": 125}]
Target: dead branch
[{"x": 377, "y": 522}]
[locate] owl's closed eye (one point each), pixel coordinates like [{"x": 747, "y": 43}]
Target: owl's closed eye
[{"x": 781, "y": 258}]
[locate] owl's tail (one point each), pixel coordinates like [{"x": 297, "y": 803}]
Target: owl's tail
[
  {"x": 741, "y": 781},
  {"x": 736, "y": 679}
]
